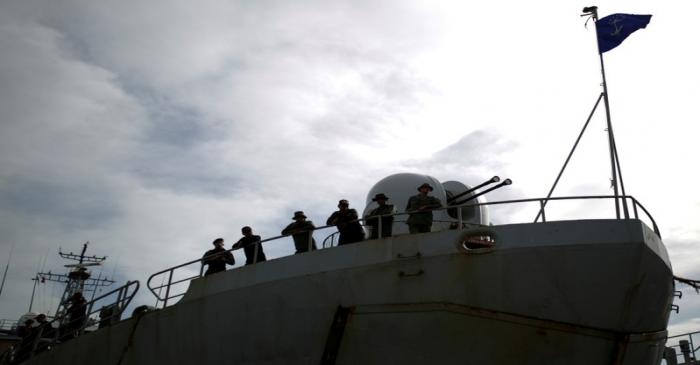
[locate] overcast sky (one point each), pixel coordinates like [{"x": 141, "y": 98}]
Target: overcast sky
[{"x": 151, "y": 128}]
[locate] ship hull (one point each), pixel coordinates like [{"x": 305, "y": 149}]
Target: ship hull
[{"x": 572, "y": 292}]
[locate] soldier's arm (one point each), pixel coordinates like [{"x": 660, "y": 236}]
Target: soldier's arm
[
  {"x": 411, "y": 204},
  {"x": 228, "y": 258},
  {"x": 206, "y": 258},
  {"x": 288, "y": 230},
  {"x": 237, "y": 244},
  {"x": 332, "y": 219}
]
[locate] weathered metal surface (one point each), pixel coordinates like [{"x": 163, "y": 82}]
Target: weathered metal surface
[{"x": 572, "y": 292}]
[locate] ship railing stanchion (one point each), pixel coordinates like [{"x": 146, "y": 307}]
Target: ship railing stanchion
[
  {"x": 542, "y": 204},
  {"x": 167, "y": 289},
  {"x": 255, "y": 254},
  {"x": 311, "y": 240},
  {"x": 459, "y": 218}
]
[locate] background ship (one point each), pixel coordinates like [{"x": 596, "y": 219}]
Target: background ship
[{"x": 410, "y": 306}]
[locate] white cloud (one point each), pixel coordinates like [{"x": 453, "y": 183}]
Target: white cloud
[{"x": 151, "y": 129}]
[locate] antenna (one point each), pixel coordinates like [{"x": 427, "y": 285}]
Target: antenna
[
  {"x": 78, "y": 278},
  {"x": 4, "y": 275}
]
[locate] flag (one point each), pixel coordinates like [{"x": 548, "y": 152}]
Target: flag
[{"x": 615, "y": 28}]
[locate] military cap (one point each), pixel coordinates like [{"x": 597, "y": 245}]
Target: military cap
[
  {"x": 380, "y": 196},
  {"x": 425, "y": 185}
]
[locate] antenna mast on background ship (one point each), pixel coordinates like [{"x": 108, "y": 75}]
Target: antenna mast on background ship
[
  {"x": 78, "y": 279},
  {"x": 4, "y": 275},
  {"x": 611, "y": 31}
]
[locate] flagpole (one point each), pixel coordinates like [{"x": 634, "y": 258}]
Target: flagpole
[
  {"x": 614, "y": 161},
  {"x": 611, "y": 140}
]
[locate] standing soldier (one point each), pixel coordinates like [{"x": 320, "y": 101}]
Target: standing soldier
[
  {"x": 420, "y": 208},
  {"x": 249, "y": 242},
  {"x": 346, "y": 221},
  {"x": 387, "y": 220},
  {"x": 302, "y": 231},
  {"x": 217, "y": 258},
  {"x": 77, "y": 314}
]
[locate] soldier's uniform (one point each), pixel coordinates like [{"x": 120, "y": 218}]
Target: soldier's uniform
[
  {"x": 349, "y": 228},
  {"x": 249, "y": 244},
  {"x": 301, "y": 231},
  {"x": 218, "y": 261},
  {"x": 420, "y": 208},
  {"x": 387, "y": 220}
]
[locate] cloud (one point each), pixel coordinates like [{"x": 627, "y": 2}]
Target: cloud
[{"x": 151, "y": 128}]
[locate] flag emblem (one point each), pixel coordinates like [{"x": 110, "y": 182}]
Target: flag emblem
[{"x": 615, "y": 28}]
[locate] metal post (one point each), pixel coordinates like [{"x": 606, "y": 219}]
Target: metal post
[
  {"x": 611, "y": 140},
  {"x": 119, "y": 295},
  {"x": 459, "y": 217},
  {"x": 610, "y": 137},
  {"x": 311, "y": 240},
  {"x": 622, "y": 184},
  {"x": 255, "y": 255},
  {"x": 4, "y": 276},
  {"x": 379, "y": 224},
  {"x": 556, "y": 181},
  {"x": 542, "y": 204},
  {"x": 167, "y": 291},
  {"x": 31, "y": 301}
]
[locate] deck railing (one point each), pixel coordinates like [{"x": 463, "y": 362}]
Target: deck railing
[
  {"x": 175, "y": 285},
  {"x": 64, "y": 328},
  {"x": 8, "y": 324},
  {"x": 684, "y": 347}
]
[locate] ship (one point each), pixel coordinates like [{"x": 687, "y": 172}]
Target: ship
[
  {"x": 471, "y": 290},
  {"x": 581, "y": 291}
]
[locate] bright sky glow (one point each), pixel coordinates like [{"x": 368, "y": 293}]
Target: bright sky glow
[{"x": 150, "y": 128}]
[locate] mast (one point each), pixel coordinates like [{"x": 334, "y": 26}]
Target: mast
[
  {"x": 4, "y": 275},
  {"x": 616, "y": 173},
  {"x": 78, "y": 278}
]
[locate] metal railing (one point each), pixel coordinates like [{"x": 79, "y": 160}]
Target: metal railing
[
  {"x": 172, "y": 280},
  {"x": 8, "y": 324},
  {"x": 64, "y": 328},
  {"x": 169, "y": 281},
  {"x": 685, "y": 346}
]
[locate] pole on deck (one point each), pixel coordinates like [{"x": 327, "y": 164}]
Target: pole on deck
[{"x": 614, "y": 161}]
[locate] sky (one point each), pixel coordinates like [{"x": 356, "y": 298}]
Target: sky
[{"x": 151, "y": 128}]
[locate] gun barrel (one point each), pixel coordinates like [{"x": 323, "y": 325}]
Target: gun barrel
[
  {"x": 504, "y": 183},
  {"x": 490, "y": 181}
]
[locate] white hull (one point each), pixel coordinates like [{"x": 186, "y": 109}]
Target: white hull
[{"x": 571, "y": 292}]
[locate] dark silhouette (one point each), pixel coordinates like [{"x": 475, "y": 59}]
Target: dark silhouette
[
  {"x": 249, "y": 242},
  {"x": 387, "y": 220},
  {"x": 302, "y": 231},
  {"x": 217, "y": 258},
  {"x": 346, "y": 220},
  {"x": 421, "y": 208}
]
